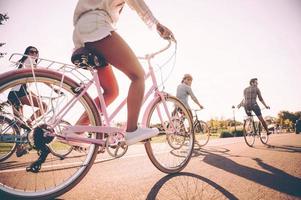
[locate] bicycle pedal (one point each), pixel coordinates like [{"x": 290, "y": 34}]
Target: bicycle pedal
[{"x": 34, "y": 167}]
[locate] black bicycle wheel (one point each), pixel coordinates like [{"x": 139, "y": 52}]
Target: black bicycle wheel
[
  {"x": 201, "y": 133},
  {"x": 249, "y": 132},
  {"x": 263, "y": 136},
  {"x": 7, "y": 130},
  {"x": 163, "y": 155},
  {"x": 55, "y": 176}
]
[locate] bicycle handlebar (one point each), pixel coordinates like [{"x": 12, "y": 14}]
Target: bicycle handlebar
[
  {"x": 197, "y": 109},
  {"x": 152, "y": 55}
]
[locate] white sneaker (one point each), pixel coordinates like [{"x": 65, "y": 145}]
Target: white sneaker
[{"x": 140, "y": 134}]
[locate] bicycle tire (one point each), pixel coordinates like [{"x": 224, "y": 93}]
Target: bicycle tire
[
  {"x": 263, "y": 136},
  {"x": 163, "y": 156},
  {"x": 249, "y": 132},
  {"x": 7, "y": 149},
  {"x": 201, "y": 133},
  {"x": 57, "y": 176},
  {"x": 57, "y": 147}
]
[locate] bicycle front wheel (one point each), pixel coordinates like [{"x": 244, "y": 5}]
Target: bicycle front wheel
[
  {"x": 263, "y": 136},
  {"x": 201, "y": 133},
  {"x": 249, "y": 132},
  {"x": 56, "y": 176},
  {"x": 8, "y": 129},
  {"x": 172, "y": 118}
]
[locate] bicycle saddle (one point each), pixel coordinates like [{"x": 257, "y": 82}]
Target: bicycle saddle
[{"x": 85, "y": 58}]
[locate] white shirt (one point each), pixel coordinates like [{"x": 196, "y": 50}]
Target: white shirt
[
  {"x": 28, "y": 63},
  {"x": 113, "y": 8}
]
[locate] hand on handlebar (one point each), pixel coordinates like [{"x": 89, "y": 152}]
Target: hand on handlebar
[
  {"x": 267, "y": 107},
  {"x": 165, "y": 33}
]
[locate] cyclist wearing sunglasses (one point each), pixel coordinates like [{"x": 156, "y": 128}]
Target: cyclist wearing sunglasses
[
  {"x": 95, "y": 29},
  {"x": 19, "y": 95}
]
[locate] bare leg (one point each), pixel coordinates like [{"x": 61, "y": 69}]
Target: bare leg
[
  {"x": 110, "y": 90},
  {"x": 263, "y": 123},
  {"x": 119, "y": 54}
]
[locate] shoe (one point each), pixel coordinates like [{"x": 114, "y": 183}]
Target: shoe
[
  {"x": 21, "y": 150},
  {"x": 269, "y": 133},
  {"x": 140, "y": 134}
]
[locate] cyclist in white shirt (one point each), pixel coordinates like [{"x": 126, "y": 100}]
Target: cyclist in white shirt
[{"x": 95, "y": 28}]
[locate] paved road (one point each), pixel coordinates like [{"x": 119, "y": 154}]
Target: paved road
[{"x": 224, "y": 169}]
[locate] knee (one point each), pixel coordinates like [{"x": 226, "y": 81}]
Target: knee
[{"x": 137, "y": 76}]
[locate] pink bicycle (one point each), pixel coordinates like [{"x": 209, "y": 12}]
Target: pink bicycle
[{"x": 43, "y": 175}]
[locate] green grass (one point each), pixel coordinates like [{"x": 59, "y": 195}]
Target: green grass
[{"x": 5, "y": 147}]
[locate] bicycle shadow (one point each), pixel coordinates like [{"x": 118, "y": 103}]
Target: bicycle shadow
[
  {"x": 200, "y": 151},
  {"x": 185, "y": 185},
  {"x": 275, "y": 178},
  {"x": 284, "y": 148}
]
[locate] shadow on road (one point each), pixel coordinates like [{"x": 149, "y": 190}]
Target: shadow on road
[
  {"x": 284, "y": 148},
  {"x": 186, "y": 185},
  {"x": 275, "y": 178}
]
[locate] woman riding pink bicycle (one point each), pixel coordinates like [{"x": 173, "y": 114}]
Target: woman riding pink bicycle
[{"x": 94, "y": 28}]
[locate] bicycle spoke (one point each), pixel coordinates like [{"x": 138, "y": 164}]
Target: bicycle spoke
[
  {"x": 53, "y": 175},
  {"x": 249, "y": 132},
  {"x": 171, "y": 150}
]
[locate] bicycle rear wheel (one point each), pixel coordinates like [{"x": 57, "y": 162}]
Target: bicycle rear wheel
[
  {"x": 56, "y": 176},
  {"x": 58, "y": 147},
  {"x": 163, "y": 155},
  {"x": 201, "y": 133},
  {"x": 249, "y": 132},
  {"x": 7, "y": 129}
]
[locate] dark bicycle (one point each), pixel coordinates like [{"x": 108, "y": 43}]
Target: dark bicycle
[
  {"x": 252, "y": 129},
  {"x": 16, "y": 133},
  {"x": 201, "y": 130}
]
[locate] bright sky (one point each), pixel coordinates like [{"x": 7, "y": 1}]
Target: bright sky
[{"x": 222, "y": 43}]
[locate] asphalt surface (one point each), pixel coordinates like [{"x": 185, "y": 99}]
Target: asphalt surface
[{"x": 223, "y": 169}]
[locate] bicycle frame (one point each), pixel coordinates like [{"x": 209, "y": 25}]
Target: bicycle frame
[
  {"x": 106, "y": 127},
  {"x": 251, "y": 119},
  {"x": 256, "y": 126}
]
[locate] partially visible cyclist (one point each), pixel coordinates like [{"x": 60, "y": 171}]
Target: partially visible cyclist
[
  {"x": 184, "y": 90},
  {"x": 95, "y": 29},
  {"x": 250, "y": 104},
  {"x": 19, "y": 95}
]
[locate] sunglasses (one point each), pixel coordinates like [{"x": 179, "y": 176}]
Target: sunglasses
[{"x": 33, "y": 51}]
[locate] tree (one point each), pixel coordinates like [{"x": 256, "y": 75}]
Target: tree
[
  {"x": 288, "y": 119},
  {"x": 3, "y": 17}
]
